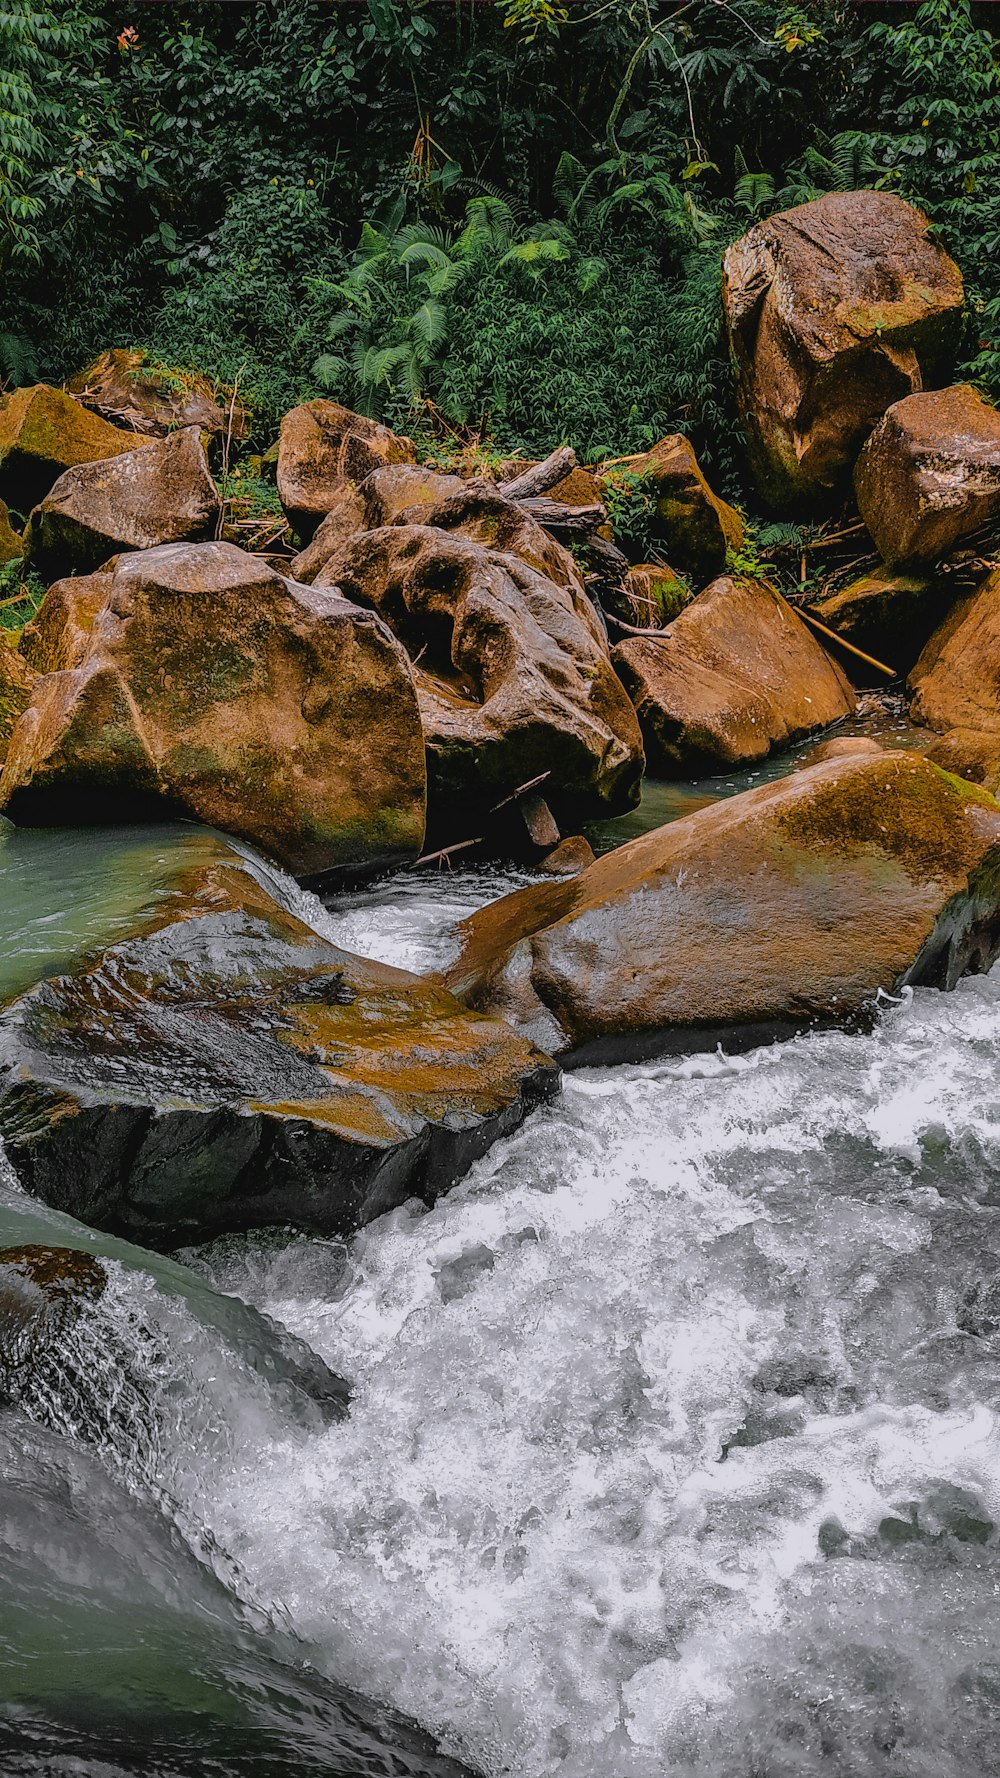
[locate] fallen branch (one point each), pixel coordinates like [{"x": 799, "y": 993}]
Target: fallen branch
[
  {"x": 541, "y": 476},
  {"x": 555, "y": 515},
  {"x": 637, "y": 630},
  {"x": 869, "y": 659},
  {"x": 521, "y": 790},
  {"x": 446, "y": 852}
]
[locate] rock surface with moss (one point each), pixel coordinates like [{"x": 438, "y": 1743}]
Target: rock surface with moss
[
  {"x": 129, "y": 389},
  {"x": 512, "y": 673},
  {"x": 930, "y": 473},
  {"x": 163, "y": 493},
  {"x": 43, "y": 432},
  {"x": 194, "y": 679},
  {"x": 738, "y": 675},
  {"x": 17, "y": 680},
  {"x": 695, "y": 527},
  {"x": 793, "y": 905},
  {"x": 835, "y": 309},
  {"x": 225, "y": 1067},
  {"x": 321, "y": 446},
  {"x": 956, "y": 688},
  {"x": 887, "y": 612}
]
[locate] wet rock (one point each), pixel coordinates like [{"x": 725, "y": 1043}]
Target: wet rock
[
  {"x": 42, "y": 1291},
  {"x": 790, "y": 906},
  {"x": 43, "y": 432},
  {"x": 194, "y": 679},
  {"x": 11, "y": 541},
  {"x": 888, "y": 613},
  {"x": 696, "y": 526},
  {"x": 322, "y": 445},
  {"x": 955, "y": 686},
  {"x": 738, "y": 675},
  {"x": 930, "y": 473},
  {"x": 386, "y": 492},
  {"x": 835, "y": 310},
  {"x": 124, "y": 388},
  {"x": 17, "y": 681},
  {"x": 840, "y": 747},
  {"x": 163, "y": 493},
  {"x": 227, "y": 1068},
  {"x": 568, "y": 859},
  {"x": 512, "y": 674}
]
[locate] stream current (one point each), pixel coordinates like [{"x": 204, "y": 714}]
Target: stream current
[{"x": 674, "y": 1445}]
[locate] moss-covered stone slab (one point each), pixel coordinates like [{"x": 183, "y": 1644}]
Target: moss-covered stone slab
[
  {"x": 794, "y": 905},
  {"x": 225, "y": 1067},
  {"x": 44, "y": 431}
]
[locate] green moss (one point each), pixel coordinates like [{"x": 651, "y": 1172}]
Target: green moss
[{"x": 905, "y": 809}]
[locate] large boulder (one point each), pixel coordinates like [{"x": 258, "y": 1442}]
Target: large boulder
[
  {"x": 44, "y": 431},
  {"x": 796, "y": 904},
  {"x": 835, "y": 310},
  {"x": 377, "y": 500},
  {"x": 126, "y": 389},
  {"x": 737, "y": 675},
  {"x": 695, "y": 526},
  {"x": 887, "y": 612},
  {"x": 224, "y": 1067},
  {"x": 512, "y": 674},
  {"x": 956, "y": 686},
  {"x": 193, "y": 678},
  {"x": 930, "y": 473},
  {"x": 163, "y": 493},
  {"x": 320, "y": 446},
  {"x": 17, "y": 681}
]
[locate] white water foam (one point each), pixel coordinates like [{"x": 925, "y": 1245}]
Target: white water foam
[{"x": 675, "y": 1444}]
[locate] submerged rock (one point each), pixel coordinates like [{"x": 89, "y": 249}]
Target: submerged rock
[
  {"x": 793, "y": 905},
  {"x": 227, "y": 1068},
  {"x": 163, "y": 493},
  {"x": 956, "y": 689},
  {"x": 43, "y": 432},
  {"x": 42, "y": 1291},
  {"x": 737, "y": 675},
  {"x": 512, "y": 673},
  {"x": 321, "y": 446},
  {"x": 835, "y": 310},
  {"x": 930, "y": 473},
  {"x": 194, "y": 679}
]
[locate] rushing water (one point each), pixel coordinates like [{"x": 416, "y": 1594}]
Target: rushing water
[{"x": 674, "y": 1445}]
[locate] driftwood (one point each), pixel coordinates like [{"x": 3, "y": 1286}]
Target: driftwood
[
  {"x": 869, "y": 659},
  {"x": 555, "y": 515},
  {"x": 542, "y": 476},
  {"x": 619, "y": 623}
]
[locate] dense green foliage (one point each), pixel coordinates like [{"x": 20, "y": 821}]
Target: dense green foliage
[{"x": 501, "y": 221}]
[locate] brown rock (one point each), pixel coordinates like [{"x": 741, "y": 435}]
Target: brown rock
[
  {"x": 840, "y": 747},
  {"x": 887, "y": 613},
  {"x": 11, "y": 541},
  {"x": 224, "y": 1067},
  {"x": 512, "y": 674},
  {"x": 124, "y": 388},
  {"x": 17, "y": 680},
  {"x": 378, "y": 500},
  {"x": 737, "y": 676},
  {"x": 43, "y": 431},
  {"x": 956, "y": 687},
  {"x": 651, "y": 596},
  {"x": 790, "y": 906},
  {"x": 481, "y": 512},
  {"x": 930, "y": 473},
  {"x": 322, "y": 445},
  {"x": 835, "y": 310},
  {"x": 193, "y": 678},
  {"x": 161, "y": 494},
  {"x": 697, "y": 528},
  {"x": 568, "y": 859}
]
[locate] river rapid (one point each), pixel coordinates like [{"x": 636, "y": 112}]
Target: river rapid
[{"x": 674, "y": 1445}]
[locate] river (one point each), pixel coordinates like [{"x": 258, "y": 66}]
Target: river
[{"x": 674, "y": 1445}]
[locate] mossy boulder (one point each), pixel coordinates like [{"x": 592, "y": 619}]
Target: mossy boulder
[
  {"x": 835, "y": 309},
  {"x": 225, "y": 1067},
  {"x": 737, "y": 675},
  {"x": 887, "y": 612},
  {"x": 17, "y": 680},
  {"x": 163, "y": 493},
  {"x": 793, "y": 905},
  {"x": 11, "y": 541},
  {"x": 956, "y": 690},
  {"x": 512, "y": 672},
  {"x": 695, "y": 526},
  {"x": 929, "y": 474},
  {"x": 320, "y": 446},
  {"x": 125, "y": 387},
  {"x": 377, "y": 500},
  {"x": 193, "y": 679},
  {"x": 43, "y": 432}
]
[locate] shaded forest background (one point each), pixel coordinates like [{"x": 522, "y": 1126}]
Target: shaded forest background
[{"x": 495, "y": 221}]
